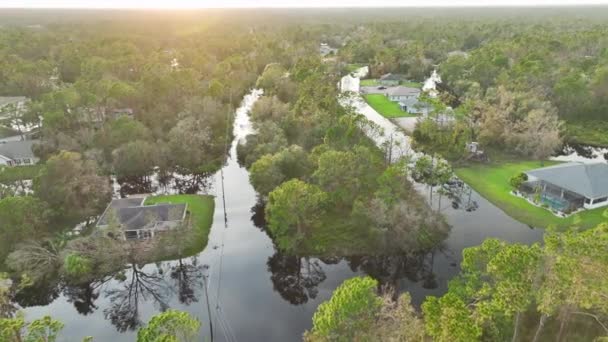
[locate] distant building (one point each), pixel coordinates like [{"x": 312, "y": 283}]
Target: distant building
[
  {"x": 138, "y": 221},
  {"x": 18, "y": 153},
  {"x": 391, "y": 79},
  {"x": 325, "y": 50},
  {"x": 570, "y": 186}
]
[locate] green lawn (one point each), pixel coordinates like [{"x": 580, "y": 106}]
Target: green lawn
[
  {"x": 201, "y": 208},
  {"x": 385, "y": 107},
  {"x": 492, "y": 182},
  {"x": 370, "y": 82},
  {"x": 9, "y": 175}
]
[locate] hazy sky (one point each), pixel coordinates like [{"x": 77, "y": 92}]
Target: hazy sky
[{"x": 279, "y": 3}]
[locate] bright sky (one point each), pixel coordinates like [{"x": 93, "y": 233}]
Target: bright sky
[{"x": 279, "y": 3}]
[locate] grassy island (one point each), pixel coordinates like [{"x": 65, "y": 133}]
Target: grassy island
[{"x": 200, "y": 209}]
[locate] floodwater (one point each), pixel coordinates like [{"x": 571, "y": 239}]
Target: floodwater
[{"x": 254, "y": 292}]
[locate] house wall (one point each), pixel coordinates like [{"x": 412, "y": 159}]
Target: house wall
[
  {"x": 397, "y": 98},
  {"x": 25, "y": 161},
  {"x": 597, "y": 203}
]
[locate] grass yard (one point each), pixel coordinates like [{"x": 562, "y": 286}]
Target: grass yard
[
  {"x": 370, "y": 82},
  {"x": 201, "y": 208},
  {"x": 492, "y": 182},
  {"x": 9, "y": 175},
  {"x": 385, "y": 107}
]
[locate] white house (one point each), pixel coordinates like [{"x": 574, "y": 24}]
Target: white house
[
  {"x": 571, "y": 185},
  {"x": 406, "y": 97},
  {"x": 17, "y": 153}
]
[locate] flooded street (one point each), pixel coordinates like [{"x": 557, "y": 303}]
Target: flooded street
[{"x": 256, "y": 293}]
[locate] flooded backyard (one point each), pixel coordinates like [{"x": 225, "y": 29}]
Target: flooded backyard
[{"x": 256, "y": 293}]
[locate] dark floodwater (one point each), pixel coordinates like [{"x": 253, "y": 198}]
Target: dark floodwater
[{"x": 263, "y": 295}]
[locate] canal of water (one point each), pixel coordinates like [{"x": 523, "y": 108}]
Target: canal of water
[{"x": 255, "y": 292}]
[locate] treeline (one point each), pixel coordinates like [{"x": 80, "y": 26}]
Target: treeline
[
  {"x": 328, "y": 189},
  {"x": 554, "y": 64},
  {"x": 504, "y": 292}
]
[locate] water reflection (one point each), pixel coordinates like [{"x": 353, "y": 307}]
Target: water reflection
[
  {"x": 138, "y": 286},
  {"x": 295, "y": 278},
  {"x": 187, "y": 277},
  {"x": 83, "y": 296},
  {"x": 162, "y": 184}
]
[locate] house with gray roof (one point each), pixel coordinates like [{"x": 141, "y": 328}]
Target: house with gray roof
[
  {"x": 570, "y": 186},
  {"x": 18, "y": 153},
  {"x": 391, "y": 79},
  {"x": 138, "y": 221}
]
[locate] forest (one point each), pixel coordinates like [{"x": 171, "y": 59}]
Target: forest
[{"x": 121, "y": 102}]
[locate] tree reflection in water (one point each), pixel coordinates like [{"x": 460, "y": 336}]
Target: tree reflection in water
[
  {"x": 139, "y": 286},
  {"x": 165, "y": 183},
  {"x": 83, "y": 296},
  {"x": 295, "y": 278},
  {"x": 187, "y": 277}
]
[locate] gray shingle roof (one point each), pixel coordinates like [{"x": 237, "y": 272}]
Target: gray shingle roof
[
  {"x": 131, "y": 214},
  {"x": 18, "y": 149},
  {"x": 403, "y": 91},
  {"x": 587, "y": 179},
  {"x": 391, "y": 77}
]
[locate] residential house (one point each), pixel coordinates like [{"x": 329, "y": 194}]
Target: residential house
[
  {"x": 569, "y": 186},
  {"x": 138, "y": 221},
  {"x": 325, "y": 50},
  {"x": 391, "y": 79},
  {"x": 17, "y": 153},
  {"x": 406, "y": 97}
]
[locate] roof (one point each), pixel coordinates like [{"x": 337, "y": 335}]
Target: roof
[
  {"x": 6, "y": 100},
  {"x": 391, "y": 77},
  {"x": 17, "y": 149},
  {"x": 587, "y": 179},
  {"x": 402, "y": 91},
  {"x": 133, "y": 215}
]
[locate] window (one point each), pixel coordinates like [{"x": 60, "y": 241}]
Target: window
[
  {"x": 600, "y": 200},
  {"x": 26, "y": 161},
  {"x": 587, "y": 201}
]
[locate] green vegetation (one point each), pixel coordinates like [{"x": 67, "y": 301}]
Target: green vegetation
[
  {"x": 9, "y": 175},
  {"x": 385, "y": 107},
  {"x": 588, "y": 132},
  {"x": 369, "y": 82},
  {"x": 517, "y": 292},
  {"x": 168, "y": 326},
  {"x": 354, "y": 66},
  {"x": 200, "y": 208},
  {"x": 493, "y": 182}
]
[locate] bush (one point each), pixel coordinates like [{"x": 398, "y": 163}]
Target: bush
[{"x": 517, "y": 180}]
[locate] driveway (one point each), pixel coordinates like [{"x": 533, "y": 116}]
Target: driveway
[{"x": 408, "y": 123}]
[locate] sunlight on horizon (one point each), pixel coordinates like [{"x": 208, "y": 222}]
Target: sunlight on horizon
[{"x": 193, "y": 4}]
